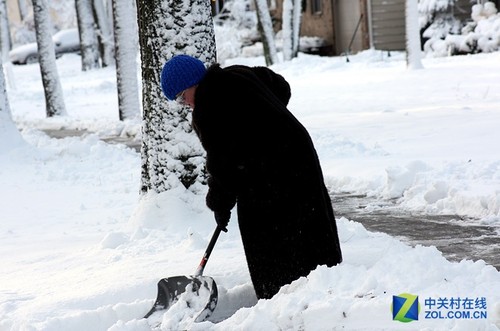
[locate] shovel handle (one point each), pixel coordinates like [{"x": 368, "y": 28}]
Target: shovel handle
[{"x": 208, "y": 251}]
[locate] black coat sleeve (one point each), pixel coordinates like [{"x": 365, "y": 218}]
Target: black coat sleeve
[{"x": 221, "y": 196}]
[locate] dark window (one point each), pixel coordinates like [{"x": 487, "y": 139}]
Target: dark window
[{"x": 316, "y": 6}]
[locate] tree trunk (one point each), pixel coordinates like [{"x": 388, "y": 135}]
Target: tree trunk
[
  {"x": 265, "y": 27},
  {"x": 291, "y": 26},
  {"x": 287, "y": 28},
  {"x": 5, "y": 41},
  {"x": 23, "y": 9},
  {"x": 105, "y": 32},
  {"x": 9, "y": 135},
  {"x": 4, "y": 101},
  {"x": 171, "y": 155},
  {"x": 126, "y": 53},
  {"x": 88, "y": 37},
  {"x": 296, "y": 23},
  {"x": 413, "y": 47},
  {"x": 54, "y": 101}
]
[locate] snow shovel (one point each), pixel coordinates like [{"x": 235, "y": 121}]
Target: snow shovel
[{"x": 171, "y": 288}]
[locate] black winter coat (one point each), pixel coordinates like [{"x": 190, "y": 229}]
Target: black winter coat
[{"x": 260, "y": 157}]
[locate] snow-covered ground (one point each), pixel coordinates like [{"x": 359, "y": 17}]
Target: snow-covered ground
[{"x": 82, "y": 251}]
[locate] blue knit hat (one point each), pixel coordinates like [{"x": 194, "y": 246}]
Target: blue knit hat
[{"x": 179, "y": 73}]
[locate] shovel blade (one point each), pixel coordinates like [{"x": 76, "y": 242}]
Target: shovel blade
[{"x": 193, "y": 288}]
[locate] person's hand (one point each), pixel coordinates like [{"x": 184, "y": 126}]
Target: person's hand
[{"x": 222, "y": 219}]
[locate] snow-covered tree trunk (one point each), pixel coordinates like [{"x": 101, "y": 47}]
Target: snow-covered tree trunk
[
  {"x": 291, "y": 28},
  {"x": 88, "y": 37},
  {"x": 4, "y": 101},
  {"x": 109, "y": 10},
  {"x": 9, "y": 135},
  {"x": 286, "y": 31},
  {"x": 23, "y": 9},
  {"x": 5, "y": 42},
  {"x": 125, "y": 26},
  {"x": 171, "y": 153},
  {"x": 297, "y": 19},
  {"x": 54, "y": 100},
  {"x": 105, "y": 32},
  {"x": 413, "y": 47},
  {"x": 265, "y": 27}
]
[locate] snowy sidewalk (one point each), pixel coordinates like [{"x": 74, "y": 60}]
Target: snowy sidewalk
[
  {"x": 457, "y": 240},
  {"x": 109, "y": 139}
]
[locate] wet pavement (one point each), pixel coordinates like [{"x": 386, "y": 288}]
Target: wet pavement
[{"x": 456, "y": 237}]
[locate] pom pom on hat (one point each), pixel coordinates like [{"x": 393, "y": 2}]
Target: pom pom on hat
[{"x": 179, "y": 73}]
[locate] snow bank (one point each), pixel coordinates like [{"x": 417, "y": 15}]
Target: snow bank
[{"x": 482, "y": 35}]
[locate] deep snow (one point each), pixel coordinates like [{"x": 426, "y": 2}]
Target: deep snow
[{"x": 81, "y": 251}]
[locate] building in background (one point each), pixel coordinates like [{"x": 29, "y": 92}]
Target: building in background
[{"x": 350, "y": 26}]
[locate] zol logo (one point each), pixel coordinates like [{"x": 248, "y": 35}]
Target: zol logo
[{"x": 405, "y": 307}]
